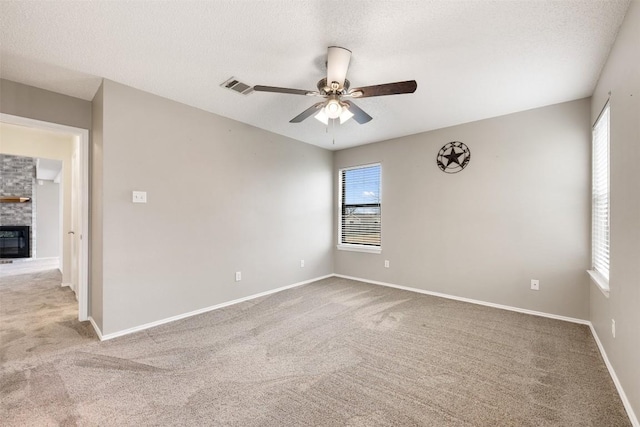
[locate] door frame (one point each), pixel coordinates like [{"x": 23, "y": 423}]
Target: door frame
[{"x": 83, "y": 250}]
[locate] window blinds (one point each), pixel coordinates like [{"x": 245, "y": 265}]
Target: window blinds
[
  {"x": 360, "y": 205},
  {"x": 600, "y": 195}
]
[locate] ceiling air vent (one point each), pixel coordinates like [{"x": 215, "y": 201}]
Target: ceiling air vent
[{"x": 237, "y": 86}]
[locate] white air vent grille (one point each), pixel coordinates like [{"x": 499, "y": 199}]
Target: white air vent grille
[{"x": 237, "y": 86}]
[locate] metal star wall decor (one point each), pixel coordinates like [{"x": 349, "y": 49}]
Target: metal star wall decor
[{"x": 453, "y": 157}]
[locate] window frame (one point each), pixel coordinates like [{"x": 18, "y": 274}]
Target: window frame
[
  {"x": 355, "y": 247},
  {"x": 601, "y": 278}
]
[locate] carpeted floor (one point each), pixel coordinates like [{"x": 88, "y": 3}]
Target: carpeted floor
[{"x": 334, "y": 353}]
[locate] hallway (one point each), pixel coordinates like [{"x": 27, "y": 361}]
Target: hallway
[{"x": 37, "y": 315}]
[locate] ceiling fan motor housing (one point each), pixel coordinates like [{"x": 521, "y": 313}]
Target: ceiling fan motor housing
[{"x": 326, "y": 89}]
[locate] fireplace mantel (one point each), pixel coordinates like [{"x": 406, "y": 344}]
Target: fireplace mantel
[{"x": 14, "y": 199}]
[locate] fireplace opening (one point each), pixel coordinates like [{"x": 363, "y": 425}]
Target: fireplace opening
[{"x": 14, "y": 241}]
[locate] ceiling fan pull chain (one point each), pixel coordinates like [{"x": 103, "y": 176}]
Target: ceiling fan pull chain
[{"x": 333, "y": 131}]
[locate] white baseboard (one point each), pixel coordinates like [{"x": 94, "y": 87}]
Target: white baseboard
[
  {"x": 95, "y": 328},
  {"x": 104, "y": 337},
  {"x": 469, "y": 300},
  {"x": 612, "y": 373},
  {"x": 614, "y": 377}
]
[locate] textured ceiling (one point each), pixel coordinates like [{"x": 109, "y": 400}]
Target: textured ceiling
[{"x": 472, "y": 59}]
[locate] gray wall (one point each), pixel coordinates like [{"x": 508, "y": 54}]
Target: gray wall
[
  {"x": 222, "y": 197},
  {"x": 621, "y": 77},
  {"x": 39, "y": 104},
  {"x": 48, "y": 219},
  {"x": 519, "y": 211}
]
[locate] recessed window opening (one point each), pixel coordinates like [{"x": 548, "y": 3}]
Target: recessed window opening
[
  {"x": 600, "y": 198},
  {"x": 360, "y": 209}
]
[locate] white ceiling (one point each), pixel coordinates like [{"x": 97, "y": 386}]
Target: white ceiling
[
  {"x": 48, "y": 169},
  {"x": 472, "y": 59}
]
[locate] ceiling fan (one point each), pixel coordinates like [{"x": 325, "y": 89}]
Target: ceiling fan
[{"x": 335, "y": 87}]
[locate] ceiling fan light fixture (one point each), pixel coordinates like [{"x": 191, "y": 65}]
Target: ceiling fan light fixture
[
  {"x": 322, "y": 116},
  {"x": 333, "y": 109},
  {"x": 346, "y": 115}
]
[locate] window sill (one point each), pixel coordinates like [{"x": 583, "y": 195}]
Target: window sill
[
  {"x": 600, "y": 281},
  {"x": 360, "y": 248}
]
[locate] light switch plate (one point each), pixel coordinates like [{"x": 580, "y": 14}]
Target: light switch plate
[{"x": 139, "y": 197}]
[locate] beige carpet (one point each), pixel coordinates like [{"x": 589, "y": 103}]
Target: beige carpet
[{"x": 331, "y": 353}]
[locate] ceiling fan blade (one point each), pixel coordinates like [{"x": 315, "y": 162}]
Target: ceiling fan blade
[
  {"x": 337, "y": 65},
  {"x": 306, "y": 113},
  {"x": 358, "y": 114},
  {"x": 260, "y": 88},
  {"x": 396, "y": 88}
]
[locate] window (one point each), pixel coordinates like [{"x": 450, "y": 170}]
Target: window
[
  {"x": 359, "y": 213},
  {"x": 600, "y": 201}
]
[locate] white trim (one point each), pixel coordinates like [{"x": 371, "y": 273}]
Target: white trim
[
  {"x": 469, "y": 300},
  {"x": 614, "y": 377},
  {"x": 83, "y": 135},
  {"x": 600, "y": 281},
  {"x": 200, "y": 311},
  {"x": 366, "y": 165},
  {"x": 48, "y": 258},
  {"x": 359, "y": 248},
  {"x": 95, "y": 328}
]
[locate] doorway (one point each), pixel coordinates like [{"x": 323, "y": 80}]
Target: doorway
[{"x": 78, "y": 235}]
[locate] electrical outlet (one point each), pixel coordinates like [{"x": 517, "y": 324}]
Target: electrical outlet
[
  {"x": 238, "y": 276},
  {"x": 386, "y": 263},
  {"x": 613, "y": 328},
  {"x": 301, "y": 263},
  {"x": 535, "y": 285}
]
